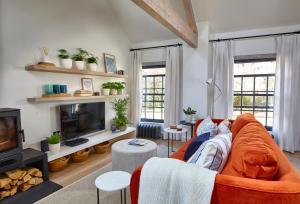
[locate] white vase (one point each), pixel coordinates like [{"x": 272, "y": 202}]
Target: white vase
[
  {"x": 66, "y": 63},
  {"x": 113, "y": 92},
  {"x": 54, "y": 148},
  {"x": 78, "y": 65},
  {"x": 105, "y": 92},
  {"x": 92, "y": 66},
  {"x": 120, "y": 92}
]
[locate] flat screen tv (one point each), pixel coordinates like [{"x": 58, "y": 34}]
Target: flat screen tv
[{"x": 81, "y": 119}]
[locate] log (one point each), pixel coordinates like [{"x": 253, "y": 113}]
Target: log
[
  {"x": 26, "y": 178},
  {"x": 15, "y": 174},
  {"x": 24, "y": 186},
  {"x": 7, "y": 187},
  {"x": 13, "y": 190},
  {"x": 4, "y": 180},
  {"x": 35, "y": 181},
  {"x": 14, "y": 182},
  {"x": 4, "y": 194},
  {"x": 34, "y": 172}
]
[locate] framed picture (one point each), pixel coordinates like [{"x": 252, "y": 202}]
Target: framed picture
[
  {"x": 110, "y": 63},
  {"x": 87, "y": 84}
]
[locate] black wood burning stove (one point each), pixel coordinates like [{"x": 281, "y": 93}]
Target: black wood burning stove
[{"x": 11, "y": 136}]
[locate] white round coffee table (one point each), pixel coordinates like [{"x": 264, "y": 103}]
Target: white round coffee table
[
  {"x": 127, "y": 157},
  {"x": 173, "y": 132},
  {"x": 113, "y": 181}
]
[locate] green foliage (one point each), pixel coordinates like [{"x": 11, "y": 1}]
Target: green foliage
[
  {"x": 114, "y": 85},
  {"x": 63, "y": 54},
  {"x": 120, "y": 106},
  {"x": 54, "y": 138},
  {"x": 189, "y": 111},
  {"x": 107, "y": 85},
  {"x": 81, "y": 55},
  {"x": 119, "y": 85},
  {"x": 92, "y": 59}
]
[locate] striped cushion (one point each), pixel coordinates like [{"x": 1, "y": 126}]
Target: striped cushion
[
  {"x": 213, "y": 153},
  {"x": 207, "y": 125}
]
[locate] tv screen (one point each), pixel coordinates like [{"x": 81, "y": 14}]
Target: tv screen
[{"x": 81, "y": 119}]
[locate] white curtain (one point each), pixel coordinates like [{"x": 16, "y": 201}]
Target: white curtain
[
  {"x": 222, "y": 64},
  {"x": 286, "y": 128},
  {"x": 135, "y": 86},
  {"x": 173, "y": 88}
]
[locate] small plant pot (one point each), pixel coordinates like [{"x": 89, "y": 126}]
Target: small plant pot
[
  {"x": 105, "y": 92},
  {"x": 188, "y": 118},
  {"x": 123, "y": 128},
  {"x": 113, "y": 92},
  {"x": 54, "y": 148},
  {"x": 92, "y": 66},
  {"x": 66, "y": 63},
  {"x": 120, "y": 91},
  {"x": 78, "y": 65}
]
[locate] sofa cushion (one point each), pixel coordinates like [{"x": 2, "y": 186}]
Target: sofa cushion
[
  {"x": 195, "y": 144},
  {"x": 213, "y": 153},
  {"x": 252, "y": 156},
  {"x": 241, "y": 121},
  {"x": 224, "y": 127}
]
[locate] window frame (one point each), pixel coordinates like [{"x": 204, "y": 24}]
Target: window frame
[
  {"x": 255, "y": 93},
  {"x": 154, "y": 65}
]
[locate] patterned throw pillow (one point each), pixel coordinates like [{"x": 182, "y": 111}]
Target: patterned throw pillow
[
  {"x": 207, "y": 125},
  {"x": 213, "y": 153},
  {"x": 223, "y": 127},
  {"x": 195, "y": 144}
]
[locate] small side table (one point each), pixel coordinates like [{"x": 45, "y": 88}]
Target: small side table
[
  {"x": 173, "y": 132},
  {"x": 192, "y": 125},
  {"x": 113, "y": 181}
]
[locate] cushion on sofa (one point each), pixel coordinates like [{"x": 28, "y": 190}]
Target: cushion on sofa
[
  {"x": 241, "y": 121},
  {"x": 252, "y": 156},
  {"x": 195, "y": 144},
  {"x": 213, "y": 153},
  {"x": 224, "y": 127},
  {"x": 207, "y": 125}
]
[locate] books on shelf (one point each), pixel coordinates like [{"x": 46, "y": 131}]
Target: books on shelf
[{"x": 83, "y": 93}]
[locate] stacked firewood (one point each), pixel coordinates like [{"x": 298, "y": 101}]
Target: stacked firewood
[{"x": 19, "y": 179}]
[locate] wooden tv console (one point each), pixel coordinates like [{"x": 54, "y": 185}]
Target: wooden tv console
[{"x": 75, "y": 171}]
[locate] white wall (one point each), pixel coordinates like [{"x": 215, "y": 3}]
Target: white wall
[
  {"x": 195, "y": 67},
  {"x": 26, "y": 26},
  {"x": 258, "y": 45}
]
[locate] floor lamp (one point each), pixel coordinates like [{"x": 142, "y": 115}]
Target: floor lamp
[{"x": 211, "y": 83}]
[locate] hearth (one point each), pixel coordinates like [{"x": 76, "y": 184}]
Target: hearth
[{"x": 11, "y": 136}]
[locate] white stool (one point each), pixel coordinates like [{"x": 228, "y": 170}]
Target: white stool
[{"x": 113, "y": 181}]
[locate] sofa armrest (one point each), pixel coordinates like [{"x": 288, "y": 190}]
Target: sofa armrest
[
  {"x": 135, "y": 185},
  {"x": 231, "y": 189}
]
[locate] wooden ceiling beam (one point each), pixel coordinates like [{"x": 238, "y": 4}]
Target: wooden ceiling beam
[{"x": 185, "y": 29}]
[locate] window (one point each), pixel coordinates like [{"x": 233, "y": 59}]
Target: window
[
  {"x": 153, "y": 93},
  {"x": 254, "y": 85}
]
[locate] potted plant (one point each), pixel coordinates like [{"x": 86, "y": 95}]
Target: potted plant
[
  {"x": 189, "y": 115},
  {"x": 92, "y": 63},
  {"x": 54, "y": 143},
  {"x": 120, "y": 86},
  {"x": 120, "y": 106},
  {"x": 64, "y": 59},
  {"x": 79, "y": 58},
  {"x": 106, "y": 88},
  {"x": 113, "y": 88}
]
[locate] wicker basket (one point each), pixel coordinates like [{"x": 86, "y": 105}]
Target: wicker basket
[
  {"x": 102, "y": 147},
  {"x": 80, "y": 156},
  {"x": 58, "y": 164}
]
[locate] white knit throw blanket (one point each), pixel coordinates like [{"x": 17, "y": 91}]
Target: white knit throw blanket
[{"x": 171, "y": 181}]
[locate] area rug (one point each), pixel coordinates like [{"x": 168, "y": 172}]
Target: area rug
[{"x": 84, "y": 191}]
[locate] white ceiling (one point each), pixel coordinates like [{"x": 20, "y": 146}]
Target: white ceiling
[
  {"x": 223, "y": 16},
  {"x": 139, "y": 26}
]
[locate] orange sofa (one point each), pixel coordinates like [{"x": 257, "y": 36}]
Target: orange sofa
[{"x": 274, "y": 182}]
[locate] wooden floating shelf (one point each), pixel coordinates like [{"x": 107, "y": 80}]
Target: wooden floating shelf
[
  {"x": 43, "y": 68},
  {"x": 71, "y": 98}
]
